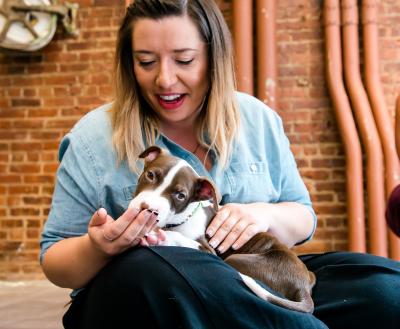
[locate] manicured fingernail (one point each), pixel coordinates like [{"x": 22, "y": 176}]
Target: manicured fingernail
[
  {"x": 101, "y": 212},
  {"x": 235, "y": 246},
  {"x": 214, "y": 243},
  {"x": 147, "y": 214},
  {"x": 209, "y": 233},
  {"x": 221, "y": 249}
]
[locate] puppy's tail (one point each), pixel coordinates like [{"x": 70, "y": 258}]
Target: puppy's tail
[{"x": 305, "y": 304}]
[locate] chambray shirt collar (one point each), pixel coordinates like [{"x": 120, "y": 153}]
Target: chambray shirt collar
[{"x": 193, "y": 160}]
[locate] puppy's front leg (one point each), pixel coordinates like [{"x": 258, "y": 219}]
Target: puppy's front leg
[
  {"x": 179, "y": 240},
  {"x": 205, "y": 246}
]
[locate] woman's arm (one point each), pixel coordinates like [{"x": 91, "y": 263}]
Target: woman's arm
[
  {"x": 73, "y": 262},
  {"x": 290, "y": 222}
]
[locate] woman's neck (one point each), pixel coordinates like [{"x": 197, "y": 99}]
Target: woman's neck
[{"x": 185, "y": 136}]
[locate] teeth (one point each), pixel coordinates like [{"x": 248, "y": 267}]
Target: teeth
[{"x": 170, "y": 97}]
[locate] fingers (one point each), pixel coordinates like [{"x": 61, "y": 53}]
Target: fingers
[
  {"x": 231, "y": 239},
  {"x": 232, "y": 227},
  {"x": 116, "y": 228},
  {"x": 137, "y": 229},
  {"x": 219, "y": 218},
  {"x": 222, "y": 225},
  {"x": 161, "y": 235},
  {"x": 155, "y": 237},
  {"x": 99, "y": 217},
  {"x": 237, "y": 241}
]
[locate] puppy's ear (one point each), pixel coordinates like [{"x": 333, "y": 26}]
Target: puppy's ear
[
  {"x": 205, "y": 190},
  {"x": 151, "y": 153}
]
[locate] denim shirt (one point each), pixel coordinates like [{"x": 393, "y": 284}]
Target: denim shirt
[{"x": 262, "y": 169}]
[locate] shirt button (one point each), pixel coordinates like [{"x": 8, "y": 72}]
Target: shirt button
[{"x": 253, "y": 168}]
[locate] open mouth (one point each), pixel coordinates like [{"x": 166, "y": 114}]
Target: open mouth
[{"x": 171, "y": 101}]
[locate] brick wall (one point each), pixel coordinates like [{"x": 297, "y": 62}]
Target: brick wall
[{"x": 43, "y": 94}]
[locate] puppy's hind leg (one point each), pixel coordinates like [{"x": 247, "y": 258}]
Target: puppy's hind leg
[{"x": 245, "y": 264}]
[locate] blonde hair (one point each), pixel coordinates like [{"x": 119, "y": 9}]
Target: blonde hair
[{"x": 135, "y": 125}]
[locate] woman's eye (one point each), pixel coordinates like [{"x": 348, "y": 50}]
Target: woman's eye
[
  {"x": 183, "y": 62},
  {"x": 146, "y": 63}
]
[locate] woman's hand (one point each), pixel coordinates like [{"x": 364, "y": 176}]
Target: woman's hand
[
  {"x": 112, "y": 237},
  {"x": 234, "y": 225}
]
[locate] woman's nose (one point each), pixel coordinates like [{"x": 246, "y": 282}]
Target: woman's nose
[{"x": 166, "y": 76}]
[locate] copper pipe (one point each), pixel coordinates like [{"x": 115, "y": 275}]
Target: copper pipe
[
  {"x": 266, "y": 52},
  {"x": 242, "y": 31},
  {"x": 397, "y": 126},
  {"x": 377, "y": 101},
  {"x": 368, "y": 131},
  {"x": 347, "y": 127},
  {"x": 393, "y": 207}
]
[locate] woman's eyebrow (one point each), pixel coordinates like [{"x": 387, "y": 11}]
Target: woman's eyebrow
[{"x": 180, "y": 50}]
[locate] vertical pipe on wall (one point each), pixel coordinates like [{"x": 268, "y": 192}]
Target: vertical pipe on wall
[
  {"x": 368, "y": 130},
  {"x": 347, "y": 127},
  {"x": 397, "y": 126},
  {"x": 242, "y": 31},
  {"x": 266, "y": 52},
  {"x": 382, "y": 117},
  {"x": 393, "y": 207}
]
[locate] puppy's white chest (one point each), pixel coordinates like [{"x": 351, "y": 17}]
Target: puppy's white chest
[{"x": 196, "y": 222}]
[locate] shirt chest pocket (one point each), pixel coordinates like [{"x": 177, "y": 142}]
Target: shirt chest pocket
[
  {"x": 250, "y": 182},
  {"x": 117, "y": 200}
]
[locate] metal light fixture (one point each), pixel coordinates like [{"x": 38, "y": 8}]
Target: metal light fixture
[{"x": 29, "y": 25}]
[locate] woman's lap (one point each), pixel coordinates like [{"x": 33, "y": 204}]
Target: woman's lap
[
  {"x": 355, "y": 290},
  {"x": 173, "y": 287}
]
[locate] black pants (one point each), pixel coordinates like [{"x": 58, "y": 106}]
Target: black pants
[{"x": 174, "y": 287}]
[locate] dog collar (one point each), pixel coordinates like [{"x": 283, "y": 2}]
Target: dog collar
[{"x": 200, "y": 205}]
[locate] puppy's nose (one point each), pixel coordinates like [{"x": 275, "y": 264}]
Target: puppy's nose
[{"x": 144, "y": 205}]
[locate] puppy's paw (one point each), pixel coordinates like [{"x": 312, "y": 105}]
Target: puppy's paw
[{"x": 205, "y": 246}]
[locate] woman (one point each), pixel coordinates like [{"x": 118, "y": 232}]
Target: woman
[{"x": 175, "y": 88}]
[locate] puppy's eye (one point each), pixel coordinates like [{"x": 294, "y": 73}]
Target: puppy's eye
[
  {"x": 150, "y": 176},
  {"x": 180, "y": 196}
]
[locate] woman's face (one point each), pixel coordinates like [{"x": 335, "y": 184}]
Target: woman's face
[{"x": 171, "y": 67}]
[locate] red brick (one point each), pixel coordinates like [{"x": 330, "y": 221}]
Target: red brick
[
  {"x": 33, "y": 124},
  {"x": 42, "y": 113},
  {"x": 38, "y": 179},
  {"x": 26, "y": 146},
  {"x": 55, "y": 102},
  {"x": 25, "y": 168},
  {"x": 6, "y": 179},
  {"x": 61, "y": 80},
  {"x": 23, "y": 189}
]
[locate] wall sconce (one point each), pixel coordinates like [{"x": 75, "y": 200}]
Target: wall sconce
[{"x": 29, "y": 25}]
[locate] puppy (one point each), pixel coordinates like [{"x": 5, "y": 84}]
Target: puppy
[{"x": 186, "y": 203}]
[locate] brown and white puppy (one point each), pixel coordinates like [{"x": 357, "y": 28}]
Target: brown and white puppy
[{"x": 171, "y": 187}]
